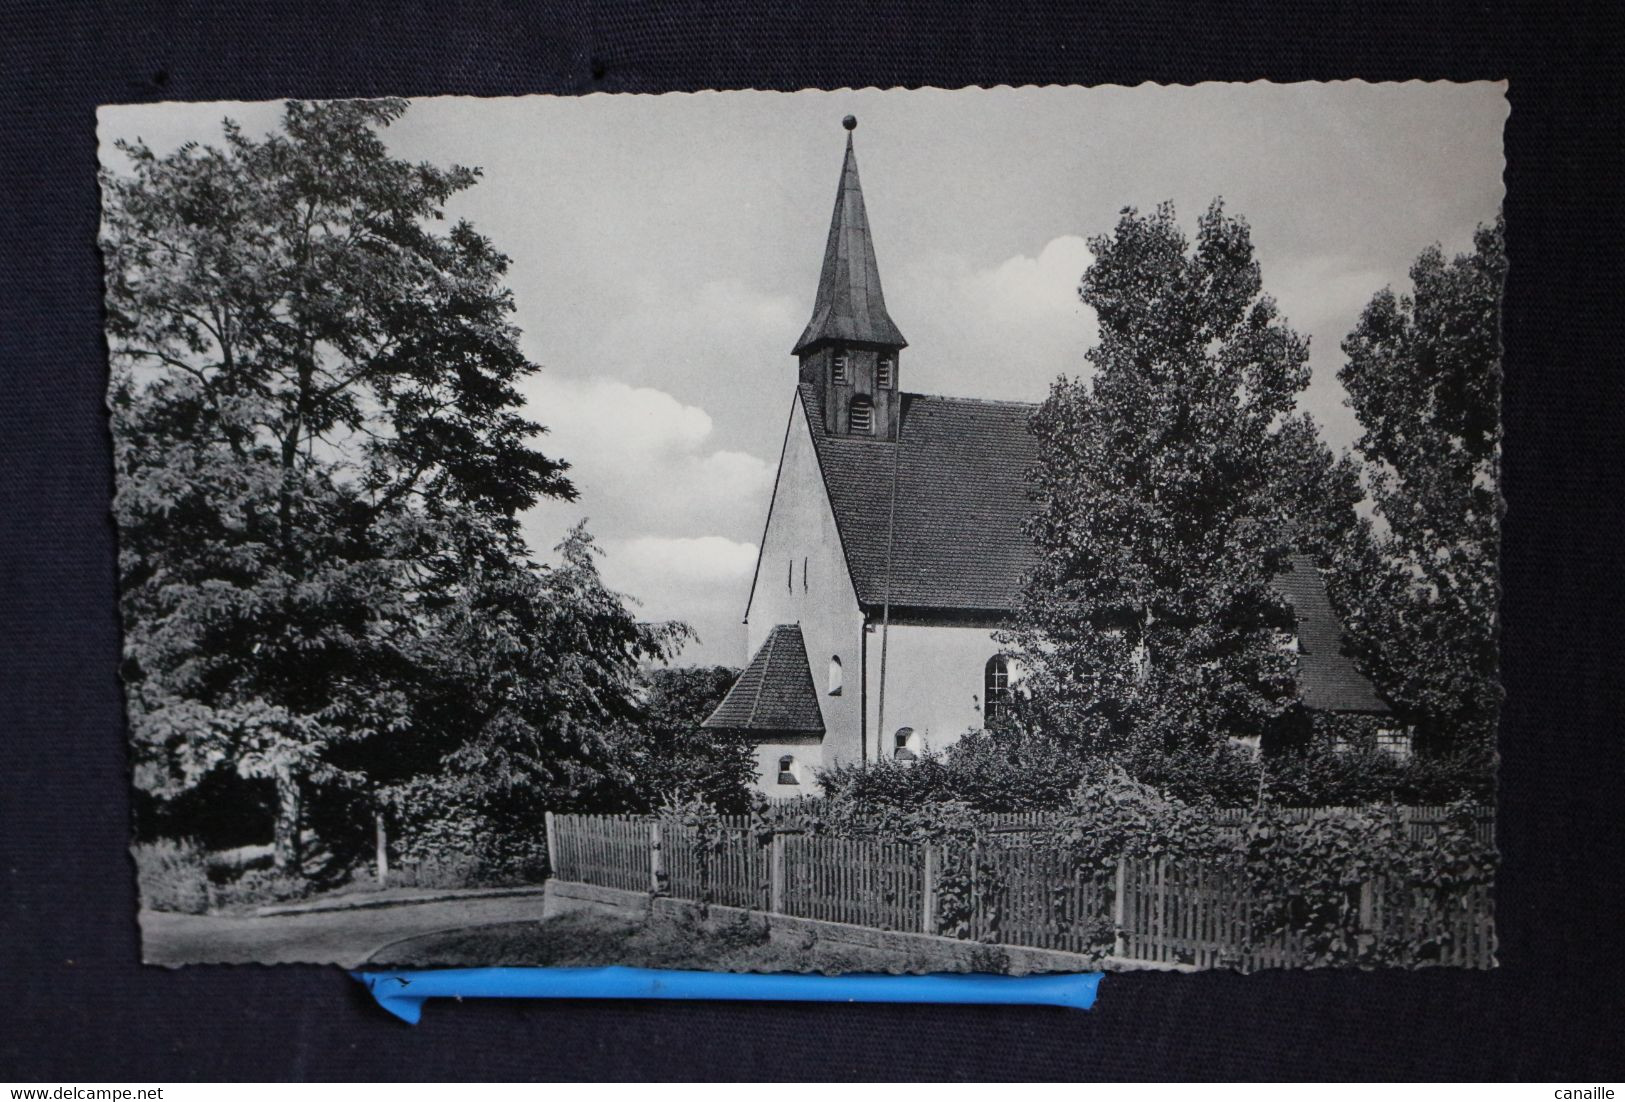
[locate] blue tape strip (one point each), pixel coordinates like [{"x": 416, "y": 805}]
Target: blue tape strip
[{"x": 404, "y": 993}]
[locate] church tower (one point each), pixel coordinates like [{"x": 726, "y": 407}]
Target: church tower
[{"x": 850, "y": 349}]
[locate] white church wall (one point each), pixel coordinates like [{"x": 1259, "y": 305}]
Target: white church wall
[
  {"x": 802, "y": 579},
  {"x": 804, "y": 754},
  {"x": 933, "y": 684}
]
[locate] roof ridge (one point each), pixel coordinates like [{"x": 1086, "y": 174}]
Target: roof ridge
[
  {"x": 972, "y": 401},
  {"x": 767, "y": 666}
]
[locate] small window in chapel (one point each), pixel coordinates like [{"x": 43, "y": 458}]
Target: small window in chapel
[
  {"x": 901, "y": 751},
  {"x": 787, "y": 766}
]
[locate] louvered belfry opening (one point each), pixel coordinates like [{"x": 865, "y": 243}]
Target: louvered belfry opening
[{"x": 861, "y": 416}]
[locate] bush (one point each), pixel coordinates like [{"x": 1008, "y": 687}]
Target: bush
[
  {"x": 257, "y": 888},
  {"x": 442, "y": 869},
  {"x": 1321, "y": 778},
  {"x": 444, "y": 834},
  {"x": 1013, "y": 770},
  {"x": 172, "y": 875},
  {"x": 1005, "y": 770},
  {"x": 1308, "y": 877}
]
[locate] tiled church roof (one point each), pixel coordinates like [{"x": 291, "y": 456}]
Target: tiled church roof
[
  {"x": 775, "y": 692},
  {"x": 961, "y": 500},
  {"x": 960, "y": 545}
]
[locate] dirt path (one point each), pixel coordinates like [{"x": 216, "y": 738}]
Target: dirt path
[{"x": 347, "y": 937}]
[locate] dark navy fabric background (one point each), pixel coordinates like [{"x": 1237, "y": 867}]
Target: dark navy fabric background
[{"x": 75, "y": 1005}]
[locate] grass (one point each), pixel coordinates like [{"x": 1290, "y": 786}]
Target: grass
[{"x": 583, "y": 939}]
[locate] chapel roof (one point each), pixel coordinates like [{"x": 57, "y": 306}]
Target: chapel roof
[
  {"x": 850, "y": 305},
  {"x": 1327, "y": 678},
  {"x": 775, "y": 692}
]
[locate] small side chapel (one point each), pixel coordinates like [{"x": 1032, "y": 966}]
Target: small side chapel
[{"x": 894, "y": 549}]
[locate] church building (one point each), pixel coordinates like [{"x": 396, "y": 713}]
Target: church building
[{"x": 894, "y": 549}]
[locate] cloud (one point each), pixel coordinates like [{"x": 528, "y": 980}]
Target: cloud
[
  {"x": 701, "y": 580},
  {"x": 974, "y": 330},
  {"x": 702, "y": 560},
  {"x": 672, "y": 513},
  {"x": 1028, "y": 288},
  {"x": 643, "y": 461}
]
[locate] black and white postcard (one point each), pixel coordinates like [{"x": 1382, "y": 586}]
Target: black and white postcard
[{"x": 1009, "y": 530}]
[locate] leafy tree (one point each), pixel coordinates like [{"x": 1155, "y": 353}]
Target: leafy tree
[
  {"x": 320, "y": 458},
  {"x": 1170, "y": 490},
  {"x": 1423, "y": 374},
  {"x": 678, "y": 761}
]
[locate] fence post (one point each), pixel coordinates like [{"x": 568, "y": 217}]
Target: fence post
[
  {"x": 1119, "y": 911},
  {"x": 552, "y": 844},
  {"x": 657, "y": 864},
  {"x": 381, "y": 841},
  {"x": 928, "y": 891},
  {"x": 775, "y": 874}
]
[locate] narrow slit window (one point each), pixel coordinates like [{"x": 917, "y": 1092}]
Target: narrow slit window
[
  {"x": 841, "y": 369},
  {"x": 803, "y": 575},
  {"x": 835, "y": 675},
  {"x": 883, "y": 373}
]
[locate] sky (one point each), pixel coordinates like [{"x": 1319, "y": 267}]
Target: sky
[{"x": 665, "y": 252}]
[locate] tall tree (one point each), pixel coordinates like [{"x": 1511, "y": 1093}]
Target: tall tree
[
  {"x": 1423, "y": 374},
  {"x": 319, "y": 448},
  {"x": 1169, "y": 487}
]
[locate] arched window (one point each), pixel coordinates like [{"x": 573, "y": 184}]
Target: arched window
[
  {"x": 861, "y": 417},
  {"x": 996, "y": 695},
  {"x": 787, "y": 770},
  {"x": 902, "y": 751},
  {"x": 834, "y": 675}
]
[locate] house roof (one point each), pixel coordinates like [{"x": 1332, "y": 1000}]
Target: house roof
[
  {"x": 850, "y": 305},
  {"x": 775, "y": 692},
  {"x": 960, "y": 546},
  {"x": 1327, "y": 678}
]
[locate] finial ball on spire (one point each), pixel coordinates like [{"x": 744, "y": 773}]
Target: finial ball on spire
[{"x": 850, "y": 122}]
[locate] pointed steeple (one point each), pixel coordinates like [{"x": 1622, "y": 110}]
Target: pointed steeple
[{"x": 850, "y": 306}]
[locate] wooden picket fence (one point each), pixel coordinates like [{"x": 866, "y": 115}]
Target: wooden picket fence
[
  {"x": 1155, "y": 912},
  {"x": 611, "y": 851},
  {"x": 879, "y": 884},
  {"x": 734, "y": 873}
]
